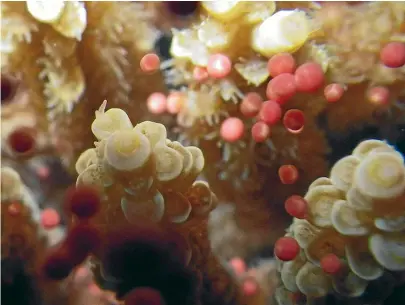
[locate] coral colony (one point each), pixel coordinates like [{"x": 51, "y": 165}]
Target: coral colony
[{"x": 202, "y": 153}]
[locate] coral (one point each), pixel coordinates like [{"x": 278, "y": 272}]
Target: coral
[
  {"x": 74, "y": 53},
  {"x": 144, "y": 176},
  {"x": 356, "y": 215}
]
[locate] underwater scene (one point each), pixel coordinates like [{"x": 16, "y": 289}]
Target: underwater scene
[{"x": 202, "y": 152}]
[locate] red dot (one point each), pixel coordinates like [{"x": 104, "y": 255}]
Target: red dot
[
  {"x": 393, "y": 55},
  {"x": 251, "y": 104},
  {"x": 232, "y": 129},
  {"x": 219, "y": 66},
  {"x": 15, "y": 209},
  {"x": 157, "y": 103},
  {"x": 200, "y": 74},
  {"x": 294, "y": 120},
  {"x": 379, "y": 96},
  {"x": 150, "y": 62},
  {"x": 260, "y": 132},
  {"x": 144, "y": 296},
  {"x": 288, "y": 174},
  {"x": 83, "y": 201},
  {"x": 250, "y": 287},
  {"x": 281, "y": 63},
  {"x": 238, "y": 265},
  {"x": 50, "y": 218},
  {"x": 57, "y": 266},
  {"x": 286, "y": 248},
  {"x": 281, "y": 88},
  {"x": 270, "y": 113},
  {"x": 333, "y": 92},
  {"x": 22, "y": 140},
  {"x": 175, "y": 101},
  {"x": 331, "y": 264},
  {"x": 309, "y": 77},
  {"x": 296, "y": 206}
]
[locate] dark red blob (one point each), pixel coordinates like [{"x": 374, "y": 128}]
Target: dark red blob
[
  {"x": 57, "y": 266},
  {"x": 281, "y": 88},
  {"x": 83, "y": 201},
  {"x": 15, "y": 209},
  {"x": 296, "y": 206},
  {"x": 182, "y": 8},
  {"x": 22, "y": 140},
  {"x": 286, "y": 248},
  {"x": 288, "y": 174},
  {"x": 83, "y": 239},
  {"x": 144, "y": 296},
  {"x": 260, "y": 132},
  {"x": 294, "y": 120},
  {"x": 8, "y": 88}
]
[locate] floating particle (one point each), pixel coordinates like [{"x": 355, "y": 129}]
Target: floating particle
[
  {"x": 7, "y": 89},
  {"x": 296, "y": 206},
  {"x": 333, "y": 92},
  {"x": 22, "y": 140},
  {"x": 238, "y": 265},
  {"x": 200, "y": 74},
  {"x": 331, "y": 264},
  {"x": 82, "y": 201},
  {"x": 251, "y": 104},
  {"x": 392, "y": 54},
  {"x": 288, "y": 174},
  {"x": 309, "y": 77},
  {"x": 157, "y": 103},
  {"x": 219, "y": 66},
  {"x": 14, "y": 209},
  {"x": 260, "y": 132},
  {"x": 150, "y": 62},
  {"x": 144, "y": 296},
  {"x": 232, "y": 129},
  {"x": 286, "y": 248},
  {"x": 175, "y": 101},
  {"x": 50, "y": 218},
  {"x": 281, "y": 63},
  {"x": 281, "y": 88},
  {"x": 294, "y": 120},
  {"x": 250, "y": 287},
  {"x": 270, "y": 113},
  {"x": 379, "y": 95},
  {"x": 82, "y": 239}
]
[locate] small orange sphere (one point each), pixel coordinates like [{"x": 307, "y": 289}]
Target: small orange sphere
[
  {"x": 175, "y": 101},
  {"x": 294, "y": 120},
  {"x": 309, "y": 77},
  {"x": 296, "y": 206},
  {"x": 260, "y": 132},
  {"x": 251, "y": 104},
  {"x": 200, "y": 74},
  {"x": 219, "y": 66},
  {"x": 157, "y": 103},
  {"x": 15, "y": 209},
  {"x": 286, "y": 248},
  {"x": 379, "y": 96},
  {"x": 150, "y": 62},
  {"x": 288, "y": 174},
  {"x": 281, "y": 88},
  {"x": 333, "y": 92},
  {"x": 50, "y": 218},
  {"x": 270, "y": 112},
  {"x": 393, "y": 55},
  {"x": 232, "y": 129},
  {"x": 281, "y": 63}
]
